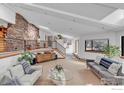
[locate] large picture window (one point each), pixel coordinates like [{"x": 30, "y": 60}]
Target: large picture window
[
  {"x": 122, "y": 46},
  {"x": 96, "y": 45}
]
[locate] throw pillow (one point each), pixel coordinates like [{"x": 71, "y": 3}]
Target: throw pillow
[
  {"x": 97, "y": 60},
  {"x": 8, "y": 81},
  {"x": 5, "y": 73},
  {"x": 17, "y": 81},
  {"x": 27, "y": 67},
  {"x": 114, "y": 68},
  {"x": 16, "y": 71}
]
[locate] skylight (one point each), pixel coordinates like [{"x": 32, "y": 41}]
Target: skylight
[{"x": 115, "y": 18}]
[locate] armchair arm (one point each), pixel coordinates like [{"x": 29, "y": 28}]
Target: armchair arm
[
  {"x": 90, "y": 60},
  {"x": 119, "y": 77},
  {"x": 108, "y": 81}
]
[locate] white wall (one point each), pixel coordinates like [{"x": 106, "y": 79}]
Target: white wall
[
  {"x": 114, "y": 39},
  {"x": 118, "y": 37},
  {"x": 7, "y": 14},
  {"x": 106, "y": 35},
  {"x": 43, "y": 33},
  {"x": 3, "y": 23}
]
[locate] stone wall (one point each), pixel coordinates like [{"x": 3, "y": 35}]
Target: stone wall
[
  {"x": 17, "y": 30},
  {"x": 22, "y": 30}
]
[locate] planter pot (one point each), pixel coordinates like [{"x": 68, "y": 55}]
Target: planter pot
[{"x": 33, "y": 62}]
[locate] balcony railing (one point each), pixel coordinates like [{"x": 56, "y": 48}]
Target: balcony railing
[
  {"x": 11, "y": 44},
  {"x": 61, "y": 48}
]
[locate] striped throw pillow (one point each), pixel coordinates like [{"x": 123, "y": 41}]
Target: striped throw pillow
[{"x": 27, "y": 67}]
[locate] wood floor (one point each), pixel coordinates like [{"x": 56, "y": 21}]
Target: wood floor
[{"x": 80, "y": 74}]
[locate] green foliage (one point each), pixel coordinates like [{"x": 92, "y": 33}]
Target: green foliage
[
  {"x": 60, "y": 36},
  {"x": 111, "y": 51},
  {"x": 27, "y": 56}
]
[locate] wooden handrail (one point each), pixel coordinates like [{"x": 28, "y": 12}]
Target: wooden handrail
[{"x": 10, "y": 54}]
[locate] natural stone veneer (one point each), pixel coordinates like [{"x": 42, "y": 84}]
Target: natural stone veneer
[{"x": 22, "y": 30}]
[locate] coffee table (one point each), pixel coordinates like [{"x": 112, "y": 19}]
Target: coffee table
[{"x": 67, "y": 77}]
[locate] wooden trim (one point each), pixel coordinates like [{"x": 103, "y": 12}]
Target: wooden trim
[
  {"x": 92, "y": 51},
  {"x": 9, "y": 55},
  {"x": 122, "y": 57}
]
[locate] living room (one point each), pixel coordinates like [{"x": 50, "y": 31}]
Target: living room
[{"x": 61, "y": 44}]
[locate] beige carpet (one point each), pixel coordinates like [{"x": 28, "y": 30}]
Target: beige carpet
[{"x": 80, "y": 74}]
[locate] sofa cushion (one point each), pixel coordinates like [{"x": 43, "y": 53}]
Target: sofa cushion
[
  {"x": 91, "y": 64},
  {"x": 6, "y": 73},
  {"x": 9, "y": 81},
  {"x": 105, "y": 74},
  {"x": 99, "y": 68},
  {"x": 30, "y": 78},
  {"x": 114, "y": 68},
  {"x": 120, "y": 72},
  {"x": 97, "y": 60},
  {"x": 105, "y": 62},
  {"x": 27, "y": 67},
  {"x": 17, "y": 71}
]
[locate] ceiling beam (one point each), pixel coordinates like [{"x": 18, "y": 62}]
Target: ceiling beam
[{"x": 70, "y": 16}]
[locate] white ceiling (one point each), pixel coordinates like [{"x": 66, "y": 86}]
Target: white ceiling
[
  {"x": 85, "y": 9},
  {"x": 115, "y": 5},
  {"x": 71, "y": 19}
]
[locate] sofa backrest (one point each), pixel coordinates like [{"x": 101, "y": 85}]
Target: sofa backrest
[
  {"x": 8, "y": 62},
  {"x": 107, "y": 62},
  {"x": 17, "y": 71}
]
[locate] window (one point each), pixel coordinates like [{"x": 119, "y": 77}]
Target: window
[
  {"x": 96, "y": 45},
  {"x": 122, "y": 46}
]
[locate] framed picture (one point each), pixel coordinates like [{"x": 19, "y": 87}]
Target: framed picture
[{"x": 96, "y": 45}]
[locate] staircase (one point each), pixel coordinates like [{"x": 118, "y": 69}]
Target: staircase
[
  {"x": 60, "y": 49},
  {"x": 2, "y": 45},
  {"x": 59, "y": 53}
]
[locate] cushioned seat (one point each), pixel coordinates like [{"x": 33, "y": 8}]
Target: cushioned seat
[
  {"x": 91, "y": 63},
  {"x": 99, "y": 68},
  {"x": 30, "y": 78},
  {"x": 26, "y": 79},
  {"x": 105, "y": 74}
]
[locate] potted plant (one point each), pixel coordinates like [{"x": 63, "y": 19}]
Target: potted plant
[
  {"x": 111, "y": 51},
  {"x": 27, "y": 56},
  {"x": 60, "y": 36}
]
